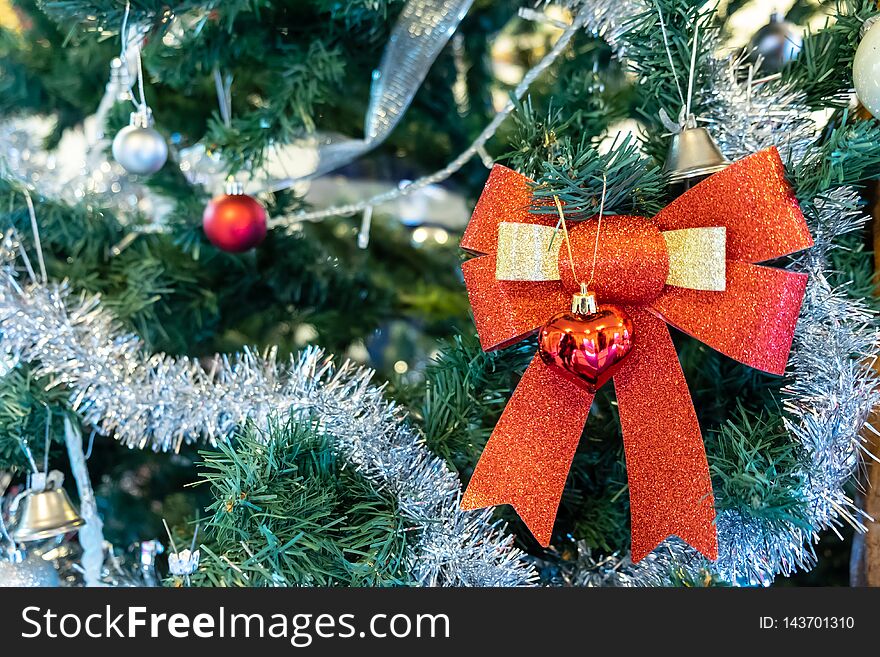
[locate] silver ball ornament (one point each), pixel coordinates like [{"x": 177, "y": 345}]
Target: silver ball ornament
[
  {"x": 139, "y": 147},
  {"x": 29, "y": 571},
  {"x": 866, "y": 67}
]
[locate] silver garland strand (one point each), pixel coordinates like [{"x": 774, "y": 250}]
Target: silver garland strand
[
  {"x": 827, "y": 403},
  {"x": 606, "y": 18},
  {"x": 160, "y": 402},
  {"x": 746, "y": 117},
  {"x": 832, "y": 391}
]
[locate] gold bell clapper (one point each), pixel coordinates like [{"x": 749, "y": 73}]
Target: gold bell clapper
[
  {"x": 693, "y": 154},
  {"x": 45, "y": 509}
]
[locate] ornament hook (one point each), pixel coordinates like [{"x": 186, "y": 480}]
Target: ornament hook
[{"x": 584, "y": 303}]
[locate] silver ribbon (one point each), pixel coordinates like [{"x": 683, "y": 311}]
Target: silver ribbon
[{"x": 422, "y": 30}]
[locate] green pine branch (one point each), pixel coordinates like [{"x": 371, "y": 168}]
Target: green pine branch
[
  {"x": 26, "y": 404},
  {"x": 634, "y": 184},
  {"x": 286, "y": 512},
  {"x": 663, "y": 84},
  {"x": 823, "y": 68},
  {"x": 465, "y": 391},
  {"x": 758, "y": 470},
  {"x": 848, "y": 156}
]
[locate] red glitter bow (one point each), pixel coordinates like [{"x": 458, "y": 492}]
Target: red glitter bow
[{"x": 528, "y": 456}]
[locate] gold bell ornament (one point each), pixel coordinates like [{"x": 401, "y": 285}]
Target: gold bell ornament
[
  {"x": 693, "y": 154},
  {"x": 46, "y": 510}
]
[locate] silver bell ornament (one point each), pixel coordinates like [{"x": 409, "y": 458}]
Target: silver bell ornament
[
  {"x": 866, "y": 66},
  {"x": 46, "y": 510},
  {"x": 777, "y": 43},
  {"x": 139, "y": 147},
  {"x": 693, "y": 154}
]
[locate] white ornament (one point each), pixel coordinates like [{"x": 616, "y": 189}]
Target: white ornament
[
  {"x": 139, "y": 147},
  {"x": 866, "y": 67}
]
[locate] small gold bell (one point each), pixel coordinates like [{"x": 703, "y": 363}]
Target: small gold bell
[
  {"x": 693, "y": 154},
  {"x": 46, "y": 510}
]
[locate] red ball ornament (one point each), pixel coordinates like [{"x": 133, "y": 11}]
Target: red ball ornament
[
  {"x": 234, "y": 222},
  {"x": 588, "y": 344}
]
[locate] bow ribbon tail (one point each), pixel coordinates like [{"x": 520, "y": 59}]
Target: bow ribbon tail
[
  {"x": 527, "y": 459},
  {"x": 670, "y": 489}
]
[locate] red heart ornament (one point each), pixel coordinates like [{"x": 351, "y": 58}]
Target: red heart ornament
[{"x": 587, "y": 349}]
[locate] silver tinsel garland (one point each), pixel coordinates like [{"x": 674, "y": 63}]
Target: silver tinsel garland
[
  {"x": 160, "y": 402},
  {"x": 832, "y": 387}
]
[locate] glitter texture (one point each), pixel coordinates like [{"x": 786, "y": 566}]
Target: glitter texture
[
  {"x": 526, "y": 461},
  {"x": 632, "y": 261},
  {"x": 507, "y": 311},
  {"x": 752, "y": 320},
  {"x": 697, "y": 258},
  {"x": 670, "y": 491},
  {"x": 752, "y": 199},
  {"x": 506, "y": 197},
  {"x": 527, "y": 252}
]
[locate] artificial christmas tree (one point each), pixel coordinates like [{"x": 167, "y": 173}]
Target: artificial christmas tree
[{"x": 132, "y": 315}]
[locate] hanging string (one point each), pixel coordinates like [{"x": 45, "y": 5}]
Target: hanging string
[
  {"x": 223, "y": 85},
  {"x": 564, "y": 225},
  {"x": 29, "y": 455},
  {"x": 123, "y": 34},
  {"x": 170, "y": 537},
  {"x": 142, "y": 107},
  {"x": 686, "y": 101},
  {"x": 192, "y": 547},
  {"x": 693, "y": 70},
  {"x": 669, "y": 54},
  {"x": 598, "y": 229},
  {"x": 36, "y": 232},
  {"x": 47, "y": 441},
  {"x": 26, "y": 260}
]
